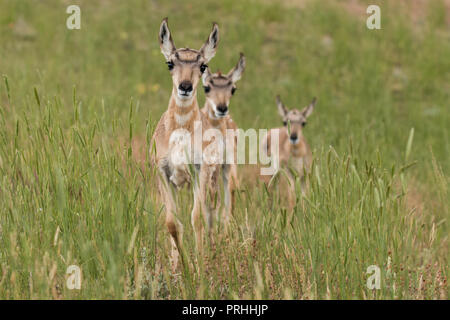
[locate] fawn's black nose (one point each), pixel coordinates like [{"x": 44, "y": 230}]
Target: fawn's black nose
[
  {"x": 294, "y": 136},
  {"x": 222, "y": 108},
  {"x": 185, "y": 86}
]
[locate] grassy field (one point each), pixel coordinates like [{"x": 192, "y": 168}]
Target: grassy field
[{"x": 77, "y": 110}]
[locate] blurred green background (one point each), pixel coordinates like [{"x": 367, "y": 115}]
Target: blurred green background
[
  {"x": 372, "y": 85},
  {"x": 66, "y": 124}
]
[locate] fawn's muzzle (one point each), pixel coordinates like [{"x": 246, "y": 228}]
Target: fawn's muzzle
[
  {"x": 185, "y": 87},
  {"x": 222, "y": 110},
  {"x": 294, "y": 137}
]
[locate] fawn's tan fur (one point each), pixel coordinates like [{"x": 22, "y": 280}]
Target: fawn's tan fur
[
  {"x": 183, "y": 113},
  {"x": 219, "y": 89},
  {"x": 294, "y": 151}
]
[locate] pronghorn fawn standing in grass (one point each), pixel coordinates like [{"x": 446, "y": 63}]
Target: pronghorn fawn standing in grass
[
  {"x": 294, "y": 151},
  {"x": 218, "y": 90},
  {"x": 174, "y": 140}
]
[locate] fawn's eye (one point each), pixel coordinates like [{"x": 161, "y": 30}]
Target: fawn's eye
[
  {"x": 203, "y": 67},
  {"x": 207, "y": 89},
  {"x": 233, "y": 90},
  {"x": 303, "y": 124},
  {"x": 284, "y": 123},
  {"x": 170, "y": 65}
]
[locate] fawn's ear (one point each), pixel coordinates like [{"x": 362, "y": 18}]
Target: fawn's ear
[
  {"x": 309, "y": 109},
  {"x": 236, "y": 73},
  {"x": 282, "y": 110},
  {"x": 208, "y": 50},
  {"x": 206, "y": 75},
  {"x": 165, "y": 40}
]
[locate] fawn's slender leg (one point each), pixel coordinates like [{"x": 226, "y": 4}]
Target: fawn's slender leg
[
  {"x": 226, "y": 176},
  {"x": 234, "y": 186},
  {"x": 173, "y": 225},
  {"x": 292, "y": 198},
  {"x": 199, "y": 206}
]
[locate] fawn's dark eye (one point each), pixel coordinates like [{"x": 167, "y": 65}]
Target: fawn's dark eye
[
  {"x": 233, "y": 90},
  {"x": 207, "y": 89},
  {"x": 203, "y": 67},
  {"x": 170, "y": 64},
  {"x": 303, "y": 124},
  {"x": 284, "y": 123}
]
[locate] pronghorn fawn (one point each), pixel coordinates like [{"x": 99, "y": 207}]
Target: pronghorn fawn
[
  {"x": 174, "y": 142},
  {"x": 294, "y": 152},
  {"x": 218, "y": 90}
]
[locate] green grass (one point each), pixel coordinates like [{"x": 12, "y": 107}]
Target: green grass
[{"x": 77, "y": 110}]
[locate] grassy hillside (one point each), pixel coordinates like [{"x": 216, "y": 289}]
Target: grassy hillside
[{"x": 77, "y": 110}]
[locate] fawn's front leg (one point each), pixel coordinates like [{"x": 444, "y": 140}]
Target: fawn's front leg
[
  {"x": 227, "y": 199},
  {"x": 173, "y": 225},
  {"x": 200, "y": 207}
]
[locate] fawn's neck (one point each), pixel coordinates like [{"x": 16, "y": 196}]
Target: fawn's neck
[
  {"x": 298, "y": 149},
  {"x": 182, "y": 113},
  {"x": 216, "y": 122}
]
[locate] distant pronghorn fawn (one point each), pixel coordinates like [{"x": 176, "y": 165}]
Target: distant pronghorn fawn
[
  {"x": 218, "y": 90},
  {"x": 173, "y": 138},
  {"x": 294, "y": 151}
]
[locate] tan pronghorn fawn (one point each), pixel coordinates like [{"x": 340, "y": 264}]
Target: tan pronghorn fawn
[
  {"x": 294, "y": 152},
  {"x": 218, "y": 90},
  {"x": 173, "y": 139}
]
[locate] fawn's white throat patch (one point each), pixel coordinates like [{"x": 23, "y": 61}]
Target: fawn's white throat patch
[
  {"x": 184, "y": 101},
  {"x": 182, "y": 119}
]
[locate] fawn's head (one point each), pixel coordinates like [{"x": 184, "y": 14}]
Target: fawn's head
[
  {"x": 186, "y": 65},
  {"x": 219, "y": 88},
  {"x": 295, "y": 119}
]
